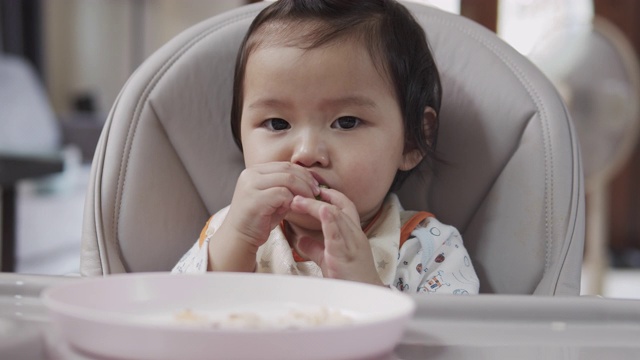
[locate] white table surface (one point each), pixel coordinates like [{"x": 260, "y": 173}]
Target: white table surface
[{"x": 444, "y": 327}]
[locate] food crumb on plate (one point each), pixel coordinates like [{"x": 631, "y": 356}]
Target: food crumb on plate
[{"x": 291, "y": 319}]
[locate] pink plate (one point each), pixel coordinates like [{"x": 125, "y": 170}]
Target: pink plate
[{"x": 227, "y": 316}]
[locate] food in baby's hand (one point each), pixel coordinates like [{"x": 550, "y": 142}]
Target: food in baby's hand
[{"x": 322, "y": 186}]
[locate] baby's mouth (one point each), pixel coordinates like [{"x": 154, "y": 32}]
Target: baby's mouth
[{"x": 322, "y": 183}]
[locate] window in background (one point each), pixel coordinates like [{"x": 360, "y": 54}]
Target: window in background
[{"x": 524, "y": 23}]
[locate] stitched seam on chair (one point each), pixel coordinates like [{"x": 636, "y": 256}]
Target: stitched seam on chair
[
  {"x": 570, "y": 234},
  {"x": 143, "y": 100},
  {"x": 548, "y": 153},
  {"x": 103, "y": 252},
  {"x": 164, "y": 131}
]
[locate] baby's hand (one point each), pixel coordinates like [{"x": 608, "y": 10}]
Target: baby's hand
[
  {"x": 346, "y": 253},
  {"x": 261, "y": 199}
]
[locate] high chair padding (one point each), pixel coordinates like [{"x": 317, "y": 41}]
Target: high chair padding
[{"x": 511, "y": 178}]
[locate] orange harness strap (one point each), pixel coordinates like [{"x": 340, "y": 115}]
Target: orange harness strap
[
  {"x": 203, "y": 233},
  {"x": 410, "y": 225}
]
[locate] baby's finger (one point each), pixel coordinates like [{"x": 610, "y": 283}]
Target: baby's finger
[
  {"x": 341, "y": 201},
  {"x": 279, "y": 174},
  {"x": 341, "y": 234},
  {"x": 288, "y": 168},
  {"x": 295, "y": 184},
  {"x": 336, "y": 223},
  {"x": 306, "y": 205}
]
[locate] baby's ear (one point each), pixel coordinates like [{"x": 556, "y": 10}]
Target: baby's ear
[
  {"x": 430, "y": 122},
  {"x": 412, "y": 157}
]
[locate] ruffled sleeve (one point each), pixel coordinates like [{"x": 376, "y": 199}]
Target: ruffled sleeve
[{"x": 195, "y": 260}]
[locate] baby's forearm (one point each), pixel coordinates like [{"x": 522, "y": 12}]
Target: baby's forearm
[{"x": 228, "y": 252}]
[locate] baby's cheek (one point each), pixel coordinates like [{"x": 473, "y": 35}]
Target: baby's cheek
[{"x": 369, "y": 188}]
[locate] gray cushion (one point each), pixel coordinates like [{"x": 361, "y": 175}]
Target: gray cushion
[{"x": 512, "y": 182}]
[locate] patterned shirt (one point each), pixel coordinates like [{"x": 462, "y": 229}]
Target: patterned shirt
[{"x": 413, "y": 252}]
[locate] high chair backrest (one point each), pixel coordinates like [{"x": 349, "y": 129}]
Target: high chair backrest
[{"x": 511, "y": 180}]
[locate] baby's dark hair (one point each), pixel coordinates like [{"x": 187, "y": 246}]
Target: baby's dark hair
[{"x": 396, "y": 43}]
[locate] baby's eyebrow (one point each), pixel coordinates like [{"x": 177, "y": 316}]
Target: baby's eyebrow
[
  {"x": 355, "y": 100},
  {"x": 338, "y": 102},
  {"x": 269, "y": 103}
]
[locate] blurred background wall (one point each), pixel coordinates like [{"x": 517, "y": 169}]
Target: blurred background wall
[{"x": 92, "y": 46}]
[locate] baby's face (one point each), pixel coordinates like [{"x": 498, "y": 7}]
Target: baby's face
[{"x": 329, "y": 110}]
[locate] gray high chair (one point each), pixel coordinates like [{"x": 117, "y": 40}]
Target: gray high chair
[{"x": 512, "y": 182}]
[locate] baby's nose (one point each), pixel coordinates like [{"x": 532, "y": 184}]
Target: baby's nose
[{"x": 310, "y": 151}]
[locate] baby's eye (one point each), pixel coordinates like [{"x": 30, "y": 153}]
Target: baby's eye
[
  {"x": 276, "y": 124},
  {"x": 346, "y": 122}
]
